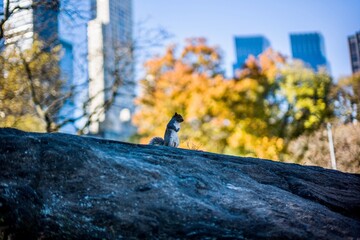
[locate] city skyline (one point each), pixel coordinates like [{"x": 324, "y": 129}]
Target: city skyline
[{"x": 221, "y": 22}]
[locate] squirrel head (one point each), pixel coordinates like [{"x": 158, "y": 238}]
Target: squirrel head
[{"x": 178, "y": 117}]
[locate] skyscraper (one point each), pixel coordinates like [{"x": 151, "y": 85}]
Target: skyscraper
[
  {"x": 1, "y": 16},
  {"x": 1, "y": 9},
  {"x": 310, "y": 48},
  {"x": 354, "y": 48},
  {"x": 109, "y": 41},
  {"x": 40, "y": 21},
  {"x": 248, "y": 45}
]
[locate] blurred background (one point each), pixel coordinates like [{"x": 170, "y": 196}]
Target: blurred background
[{"x": 271, "y": 79}]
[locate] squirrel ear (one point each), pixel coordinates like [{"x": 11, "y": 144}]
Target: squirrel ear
[{"x": 176, "y": 113}]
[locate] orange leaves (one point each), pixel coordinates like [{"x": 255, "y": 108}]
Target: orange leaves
[
  {"x": 269, "y": 62},
  {"x": 199, "y": 47},
  {"x": 201, "y": 57},
  {"x": 158, "y": 65},
  {"x": 267, "y": 65}
]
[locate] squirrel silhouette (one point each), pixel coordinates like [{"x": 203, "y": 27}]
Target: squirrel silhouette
[{"x": 171, "y": 137}]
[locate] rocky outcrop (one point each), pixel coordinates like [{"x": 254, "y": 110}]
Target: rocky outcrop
[{"x": 58, "y": 186}]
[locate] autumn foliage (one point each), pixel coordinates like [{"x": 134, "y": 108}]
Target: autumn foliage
[
  {"x": 30, "y": 84},
  {"x": 256, "y": 114}
]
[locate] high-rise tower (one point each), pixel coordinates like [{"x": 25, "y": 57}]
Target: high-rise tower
[
  {"x": 39, "y": 21},
  {"x": 310, "y": 48},
  {"x": 248, "y": 45},
  {"x": 1, "y": 16},
  {"x": 354, "y": 48},
  {"x": 110, "y": 61}
]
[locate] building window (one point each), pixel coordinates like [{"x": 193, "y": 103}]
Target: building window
[{"x": 354, "y": 58}]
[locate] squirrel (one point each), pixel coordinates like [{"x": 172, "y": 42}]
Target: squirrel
[{"x": 170, "y": 137}]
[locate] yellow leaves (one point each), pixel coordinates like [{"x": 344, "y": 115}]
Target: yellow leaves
[
  {"x": 25, "y": 122},
  {"x": 245, "y": 84},
  {"x": 28, "y": 79},
  {"x": 254, "y": 146},
  {"x": 269, "y": 147},
  {"x": 349, "y": 88},
  {"x": 158, "y": 65},
  {"x": 214, "y": 56},
  {"x": 311, "y": 121},
  {"x": 199, "y": 47},
  {"x": 269, "y": 61}
]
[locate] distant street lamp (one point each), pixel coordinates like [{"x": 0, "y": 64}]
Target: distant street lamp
[
  {"x": 331, "y": 146},
  {"x": 125, "y": 115}
]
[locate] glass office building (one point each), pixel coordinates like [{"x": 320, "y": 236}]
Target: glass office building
[
  {"x": 248, "y": 45},
  {"x": 310, "y": 48},
  {"x": 1, "y": 16}
]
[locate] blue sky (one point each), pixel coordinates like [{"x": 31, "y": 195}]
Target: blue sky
[{"x": 220, "y": 20}]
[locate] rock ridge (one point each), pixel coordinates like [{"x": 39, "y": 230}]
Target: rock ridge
[{"x": 61, "y": 186}]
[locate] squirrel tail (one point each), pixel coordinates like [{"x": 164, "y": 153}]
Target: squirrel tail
[{"x": 156, "y": 141}]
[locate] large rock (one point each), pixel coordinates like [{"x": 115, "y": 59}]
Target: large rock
[{"x": 58, "y": 186}]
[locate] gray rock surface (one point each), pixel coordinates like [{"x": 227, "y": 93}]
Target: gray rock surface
[{"x": 58, "y": 186}]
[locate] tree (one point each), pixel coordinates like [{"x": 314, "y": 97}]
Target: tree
[
  {"x": 179, "y": 84},
  {"x": 291, "y": 100},
  {"x": 270, "y": 103},
  {"x": 348, "y": 96},
  {"x": 35, "y": 69},
  {"x": 30, "y": 96},
  {"x": 306, "y": 98},
  {"x": 33, "y": 94}
]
